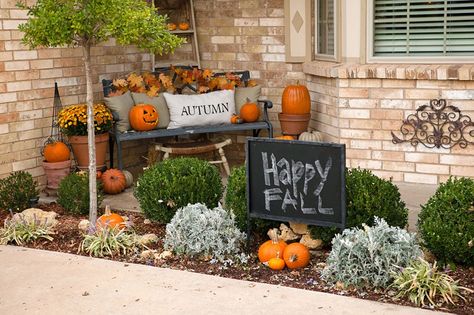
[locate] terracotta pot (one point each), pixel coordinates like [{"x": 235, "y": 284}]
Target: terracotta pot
[
  {"x": 293, "y": 124},
  {"x": 81, "y": 152},
  {"x": 55, "y": 172}
]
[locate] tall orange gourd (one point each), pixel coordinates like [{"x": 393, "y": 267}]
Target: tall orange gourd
[{"x": 295, "y": 100}]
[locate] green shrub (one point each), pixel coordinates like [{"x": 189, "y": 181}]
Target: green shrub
[
  {"x": 236, "y": 201},
  {"x": 174, "y": 183},
  {"x": 369, "y": 256},
  {"x": 73, "y": 193},
  {"x": 16, "y": 191},
  {"x": 422, "y": 282},
  {"x": 446, "y": 222},
  {"x": 367, "y": 196}
]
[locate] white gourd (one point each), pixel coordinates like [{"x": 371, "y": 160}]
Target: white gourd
[
  {"x": 128, "y": 178},
  {"x": 311, "y": 136}
]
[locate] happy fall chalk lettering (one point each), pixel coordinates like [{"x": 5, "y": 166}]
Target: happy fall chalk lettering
[{"x": 288, "y": 182}]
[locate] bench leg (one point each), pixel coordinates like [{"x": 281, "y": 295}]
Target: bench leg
[
  {"x": 224, "y": 161},
  {"x": 119, "y": 155},
  {"x": 111, "y": 150}
]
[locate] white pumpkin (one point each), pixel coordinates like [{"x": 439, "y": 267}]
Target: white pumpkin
[
  {"x": 311, "y": 136},
  {"x": 128, "y": 178}
]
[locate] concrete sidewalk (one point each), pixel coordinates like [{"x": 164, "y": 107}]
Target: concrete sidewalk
[{"x": 43, "y": 282}]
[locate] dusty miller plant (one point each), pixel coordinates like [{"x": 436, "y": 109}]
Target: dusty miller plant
[
  {"x": 368, "y": 256},
  {"x": 196, "y": 230}
]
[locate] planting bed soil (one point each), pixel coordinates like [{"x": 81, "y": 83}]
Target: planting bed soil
[{"x": 68, "y": 238}]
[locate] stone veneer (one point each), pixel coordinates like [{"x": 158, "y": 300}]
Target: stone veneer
[{"x": 359, "y": 105}]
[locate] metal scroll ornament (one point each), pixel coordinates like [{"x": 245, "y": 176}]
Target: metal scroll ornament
[{"x": 437, "y": 126}]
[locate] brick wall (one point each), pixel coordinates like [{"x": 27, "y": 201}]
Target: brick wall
[
  {"x": 370, "y": 101},
  {"x": 27, "y": 86}
]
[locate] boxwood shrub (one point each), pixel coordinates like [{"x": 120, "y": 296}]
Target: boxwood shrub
[
  {"x": 16, "y": 191},
  {"x": 367, "y": 196},
  {"x": 174, "y": 183},
  {"x": 236, "y": 201},
  {"x": 73, "y": 193},
  {"x": 446, "y": 222}
]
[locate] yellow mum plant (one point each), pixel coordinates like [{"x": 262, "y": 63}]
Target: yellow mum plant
[{"x": 72, "y": 120}]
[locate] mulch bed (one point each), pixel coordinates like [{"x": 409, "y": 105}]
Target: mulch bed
[{"x": 68, "y": 238}]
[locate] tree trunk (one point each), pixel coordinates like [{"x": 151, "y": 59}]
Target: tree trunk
[{"x": 90, "y": 136}]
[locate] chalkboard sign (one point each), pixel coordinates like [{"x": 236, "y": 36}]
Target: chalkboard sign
[{"x": 296, "y": 181}]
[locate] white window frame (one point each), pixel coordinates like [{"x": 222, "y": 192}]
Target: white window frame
[
  {"x": 403, "y": 59},
  {"x": 337, "y": 33}
]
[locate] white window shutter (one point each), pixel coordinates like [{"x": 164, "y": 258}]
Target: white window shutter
[{"x": 298, "y": 30}]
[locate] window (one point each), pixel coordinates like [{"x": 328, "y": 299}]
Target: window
[
  {"x": 421, "y": 28},
  {"x": 326, "y": 29}
]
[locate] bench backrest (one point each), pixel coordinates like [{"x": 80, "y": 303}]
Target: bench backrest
[{"x": 107, "y": 85}]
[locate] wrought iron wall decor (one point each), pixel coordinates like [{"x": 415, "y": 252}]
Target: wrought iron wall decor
[{"x": 437, "y": 126}]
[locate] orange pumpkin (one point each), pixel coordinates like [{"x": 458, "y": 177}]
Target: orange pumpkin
[
  {"x": 235, "y": 119},
  {"x": 249, "y": 112},
  {"x": 276, "y": 263},
  {"x": 172, "y": 26},
  {"x": 295, "y": 100},
  {"x": 113, "y": 181},
  {"x": 285, "y": 137},
  {"x": 183, "y": 26},
  {"x": 143, "y": 117},
  {"x": 271, "y": 248},
  {"x": 110, "y": 220},
  {"x": 56, "y": 151},
  {"x": 296, "y": 255}
]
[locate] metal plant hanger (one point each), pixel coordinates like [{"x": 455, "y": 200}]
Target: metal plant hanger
[
  {"x": 55, "y": 135},
  {"x": 437, "y": 126}
]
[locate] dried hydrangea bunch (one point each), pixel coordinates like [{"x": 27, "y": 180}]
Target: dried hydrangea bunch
[
  {"x": 368, "y": 256},
  {"x": 196, "y": 230}
]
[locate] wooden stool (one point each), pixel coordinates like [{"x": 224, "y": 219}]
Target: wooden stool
[{"x": 197, "y": 148}]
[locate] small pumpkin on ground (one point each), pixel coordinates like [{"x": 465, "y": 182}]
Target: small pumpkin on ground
[
  {"x": 143, "y": 117},
  {"x": 56, "y": 151},
  {"x": 285, "y": 137},
  {"x": 113, "y": 181},
  {"x": 276, "y": 263},
  {"x": 311, "y": 136},
  {"x": 249, "y": 112},
  {"x": 272, "y": 248},
  {"x": 110, "y": 220},
  {"x": 296, "y": 255},
  {"x": 128, "y": 178}
]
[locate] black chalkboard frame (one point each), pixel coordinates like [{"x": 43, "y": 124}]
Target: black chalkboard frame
[{"x": 342, "y": 152}]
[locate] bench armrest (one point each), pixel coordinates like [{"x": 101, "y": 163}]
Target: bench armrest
[{"x": 266, "y": 105}]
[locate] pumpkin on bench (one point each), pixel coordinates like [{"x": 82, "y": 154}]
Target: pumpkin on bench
[{"x": 207, "y": 103}]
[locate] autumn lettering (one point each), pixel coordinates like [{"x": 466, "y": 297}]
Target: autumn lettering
[
  {"x": 192, "y": 110},
  {"x": 289, "y": 184}
]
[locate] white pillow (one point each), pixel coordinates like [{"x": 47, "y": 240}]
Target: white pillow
[{"x": 200, "y": 109}]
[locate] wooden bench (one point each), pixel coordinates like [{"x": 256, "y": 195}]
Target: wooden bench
[{"x": 117, "y": 138}]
